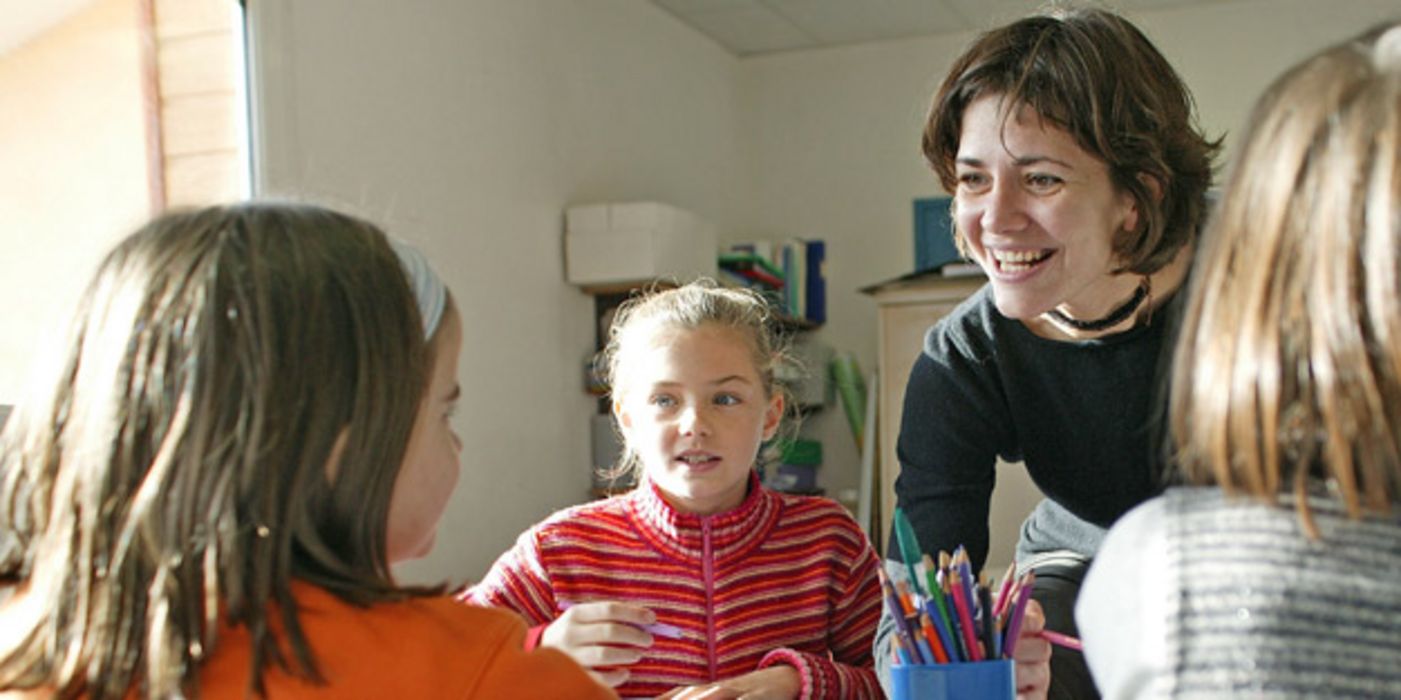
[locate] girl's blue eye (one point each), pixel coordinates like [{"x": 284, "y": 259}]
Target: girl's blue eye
[
  {"x": 726, "y": 400},
  {"x": 662, "y": 401}
]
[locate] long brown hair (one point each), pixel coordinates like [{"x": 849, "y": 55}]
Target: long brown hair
[
  {"x": 1288, "y": 368},
  {"x": 1095, "y": 75},
  {"x": 176, "y": 475}
]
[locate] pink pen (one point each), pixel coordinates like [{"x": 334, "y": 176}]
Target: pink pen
[
  {"x": 1061, "y": 640},
  {"x": 656, "y": 629}
]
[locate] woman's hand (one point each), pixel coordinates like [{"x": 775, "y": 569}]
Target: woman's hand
[
  {"x": 1033, "y": 656},
  {"x": 602, "y": 637},
  {"x": 772, "y": 683}
]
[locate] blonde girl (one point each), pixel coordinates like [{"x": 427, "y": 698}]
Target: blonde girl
[
  {"x": 701, "y": 581},
  {"x": 250, "y": 426}
]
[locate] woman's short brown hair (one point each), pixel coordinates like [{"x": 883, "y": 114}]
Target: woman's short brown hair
[{"x": 1096, "y": 76}]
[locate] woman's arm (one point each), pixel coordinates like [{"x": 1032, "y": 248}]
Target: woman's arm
[{"x": 953, "y": 423}]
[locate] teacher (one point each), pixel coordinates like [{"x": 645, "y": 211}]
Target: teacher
[{"x": 1079, "y": 181}]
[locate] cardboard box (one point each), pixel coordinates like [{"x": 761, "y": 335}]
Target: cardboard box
[{"x": 628, "y": 242}]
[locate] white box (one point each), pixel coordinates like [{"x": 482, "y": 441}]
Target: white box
[
  {"x": 629, "y": 242},
  {"x": 587, "y": 218}
]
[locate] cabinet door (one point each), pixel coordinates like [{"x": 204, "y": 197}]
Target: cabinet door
[{"x": 903, "y": 322}]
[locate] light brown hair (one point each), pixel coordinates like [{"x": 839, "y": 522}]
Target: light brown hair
[
  {"x": 1288, "y": 369},
  {"x": 691, "y": 306},
  {"x": 175, "y": 475},
  {"x": 1094, "y": 75}
]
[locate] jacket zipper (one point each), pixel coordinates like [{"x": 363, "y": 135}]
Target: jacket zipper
[{"x": 708, "y": 572}]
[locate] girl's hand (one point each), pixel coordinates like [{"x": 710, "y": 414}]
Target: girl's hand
[
  {"x": 1033, "y": 656},
  {"x": 772, "y": 683},
  {"x": 602, "y": 637}
]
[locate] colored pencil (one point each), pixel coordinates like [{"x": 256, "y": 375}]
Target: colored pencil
[
  {"x": 895, "y": 606},
  {"x": 901, "y": 653},
  {"x": 941, "y": 628},
  {"x": 1000, "y": 605},
  {"x": 988, "y": 629},
  {"x": 965, "y": 618},
  {"x": 926, "y": 624},
  {"x": 1014, "y": 623}
]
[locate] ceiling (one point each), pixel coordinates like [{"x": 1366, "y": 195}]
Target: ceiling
[
  {"x": 750, "y": 27},
  {"x": 743, "y": 27}
]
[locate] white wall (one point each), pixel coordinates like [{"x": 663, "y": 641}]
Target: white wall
[
  {"x": 836, "y": 136},
  {"x": 467, "y": 127}
]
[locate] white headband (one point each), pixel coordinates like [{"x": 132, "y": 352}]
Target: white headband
[{"x": 428, "y": 289}]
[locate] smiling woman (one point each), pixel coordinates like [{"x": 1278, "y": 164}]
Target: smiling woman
[
  {"x": 1038, "y": 212},
  {"x": 1079, "y": 182}
]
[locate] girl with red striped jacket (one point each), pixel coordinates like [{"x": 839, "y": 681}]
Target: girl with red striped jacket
[{"x": 701, "y": 579}]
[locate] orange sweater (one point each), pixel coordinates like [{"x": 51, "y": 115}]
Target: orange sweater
[{"x": 421, "y": 648}]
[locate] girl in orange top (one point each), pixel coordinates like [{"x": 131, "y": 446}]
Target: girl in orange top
[{"x": 253, "y": 422}]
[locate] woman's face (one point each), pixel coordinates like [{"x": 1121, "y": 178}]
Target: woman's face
[
  {"x": 1039, "y": 214},
  {"x": 431, "y": 462}
]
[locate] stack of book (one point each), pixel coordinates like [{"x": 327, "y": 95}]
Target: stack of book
[{"x": 791, "y": 272}]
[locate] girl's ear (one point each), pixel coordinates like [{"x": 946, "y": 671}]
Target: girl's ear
[
  {"x": 773, "y": 415},
  {"x": 621, "y": 414}
]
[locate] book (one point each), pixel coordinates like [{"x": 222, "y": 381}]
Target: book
[
  {"x": 736, "y": 279},
  {"x": 815, "y": 282},
  {"x": 792, "y": 253},
  {"x": 762, "y": 248},
  {"x": 752, "y": 266}
]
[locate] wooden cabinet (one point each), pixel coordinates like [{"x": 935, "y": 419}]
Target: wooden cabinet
[{"x": 906, "y": 309}]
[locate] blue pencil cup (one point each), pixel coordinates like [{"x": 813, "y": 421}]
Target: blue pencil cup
[{"x": 991, "y": 680}]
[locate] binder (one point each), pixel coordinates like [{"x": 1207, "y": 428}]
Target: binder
[{"x": 815, "y": 282}]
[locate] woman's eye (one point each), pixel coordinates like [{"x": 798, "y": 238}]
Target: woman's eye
[
  {"x": 662, "y": 401},
  {"x": 974, "y": 182},
  {"x": 1043, "y": 182}
]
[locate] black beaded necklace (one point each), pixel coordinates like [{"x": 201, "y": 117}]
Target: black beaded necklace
[{"x": 1114, "y": 318}]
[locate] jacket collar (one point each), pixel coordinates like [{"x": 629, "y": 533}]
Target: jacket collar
[{"x": 733, "y": 533}]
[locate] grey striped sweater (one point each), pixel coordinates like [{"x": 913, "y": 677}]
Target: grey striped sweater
[{"x": 1259, "y": 610}]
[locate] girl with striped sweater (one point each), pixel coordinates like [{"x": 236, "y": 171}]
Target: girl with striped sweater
[{"x": 700, "y": 580}]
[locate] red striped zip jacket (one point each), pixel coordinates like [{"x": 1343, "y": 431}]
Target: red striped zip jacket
[{"x": 781, "y": 579}]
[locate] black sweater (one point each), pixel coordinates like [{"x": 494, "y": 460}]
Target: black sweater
[{"x": 1084, "y": 416}]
